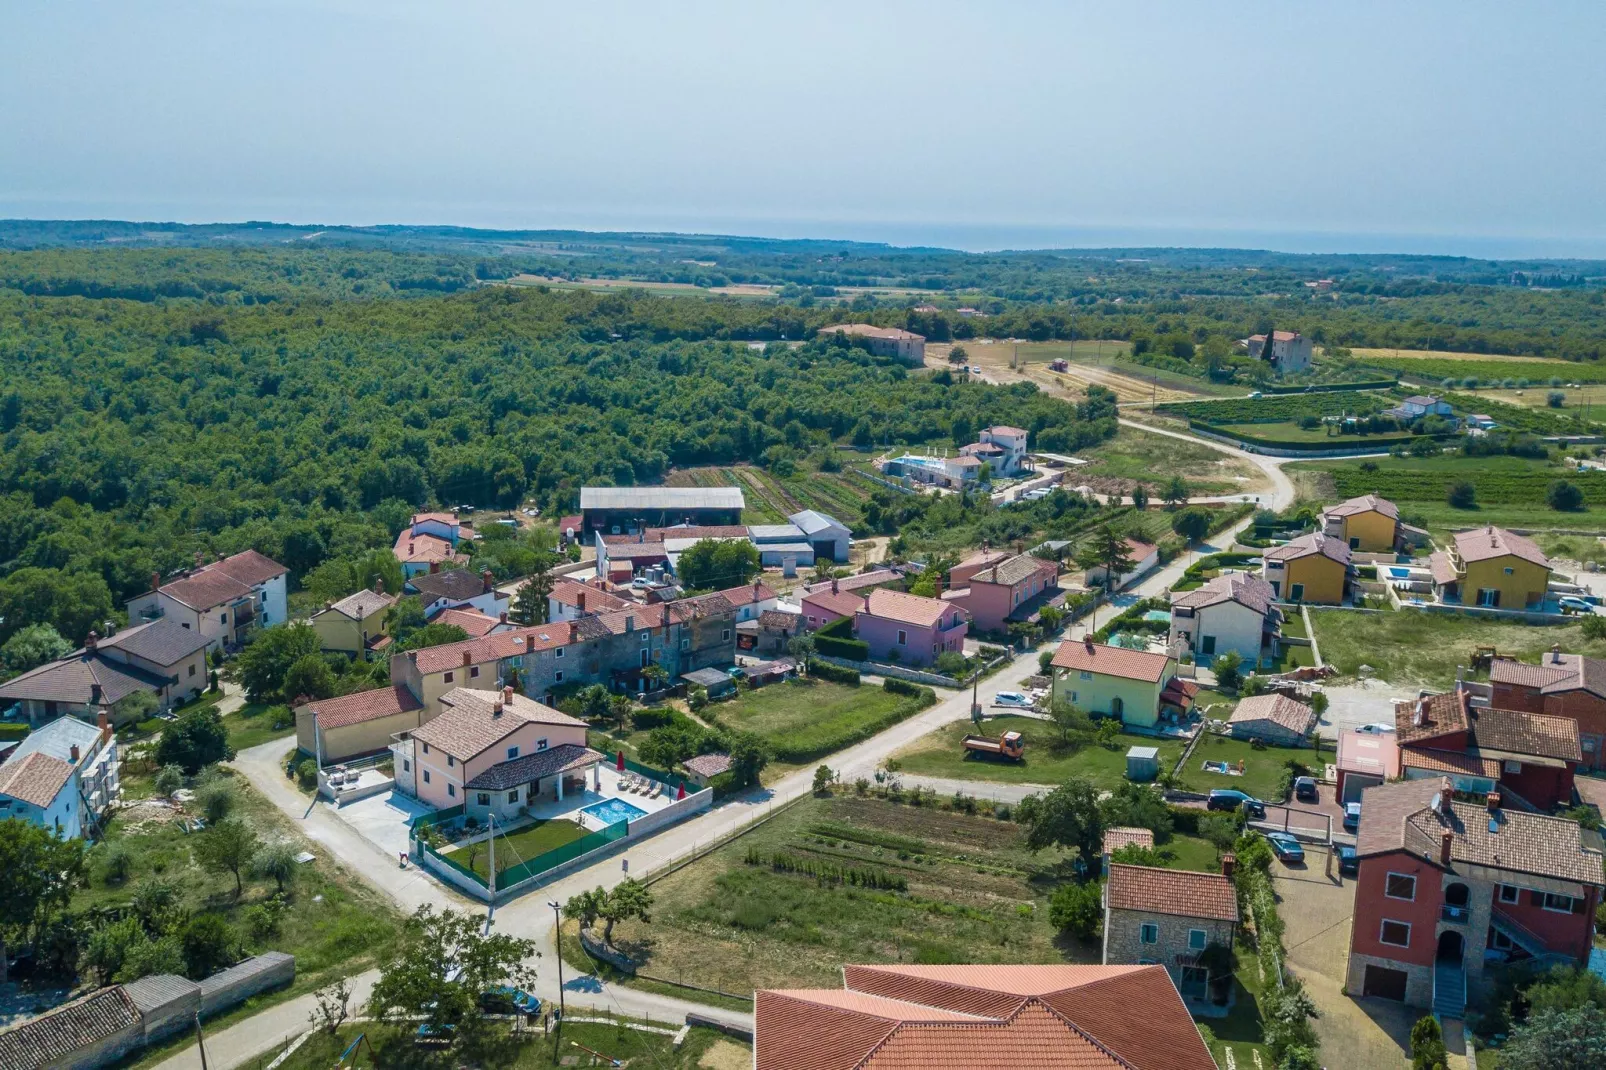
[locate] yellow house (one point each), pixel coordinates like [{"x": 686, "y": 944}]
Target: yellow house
[
  {"x": 354, "y": 622},
  {"x": 336, "y": 729},
  {"x": 1491, "y": 567},
  {"x": 1368, "y": 523},
  {"x": 1311, "y": 568}
]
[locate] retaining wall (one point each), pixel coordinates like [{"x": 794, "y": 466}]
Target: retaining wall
[{"x": 876, "y": 668}]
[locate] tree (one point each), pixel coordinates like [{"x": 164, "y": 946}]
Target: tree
[
  {"x": 169, "y": 778},
  {"x": 1136, "y": 854},
  {"x": 228, "y": 847},
  {"x": 1175, "y": 492},
  {"x": 266, "y": 659},
  {"x": 1192, "y": 524},
  {"x": 334, "y": 1006},
  {"x": 1566, "y": 988},
  {"x": 134, "y": 707},
  {"x": 718, "y": 563},
  {"x": 530, "y": 605},
  {"x": 404, "y": 618},
  {"x": 584, "y": 907},
  {"x": 1070, "y": 723},
  {"x": 822, "y": 779},
  {"x": 1555, "y": 399},
  {"x": 436, "y": 634},
  {"x": 1427, "y": 1044},
  {"x": 1227, "y": 668},
  {"x": 628, "y": 899},
  {"x": 111, "y": 945},
  {"x": 1140, "y": 497},
  {"x": 209, "y": 944},
  {"x": 41, "y": 875},
  {"x": 1564, "y": 496},
  {"x": 308, "y": 678},
  {"x": 74, "y": 603},
  {"x": 749, "y": 755},
  {"x": 1318, "y": 701},
  {"x": 1462, "y": 495},
  {"x": 277, "y": 862},
  {"x": 32, "y": 646},
  {"x": 1137, "y": 806},
  {"x": 1109, "y": 730},
  {"x": 1107, "y": 550},
  {"x": 1075, "y": 908},
  {"x": 441, "y": 965},
  {"x": 196, "y": 739},
  {"x": 620, "y": 706},
  {"x": 1067, "y": 817},
  {"x": 1558, "y": 1040}
]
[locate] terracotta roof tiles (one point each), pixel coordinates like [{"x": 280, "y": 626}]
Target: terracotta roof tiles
[
  {"x": 1487, "y": 543},
  {"x": 362, "y": 706},
  {"x": 56, "y": 1037},
  {"x": 1281, "y": 710},
  {"x": 470, "y": 722},
  {"x": 906, "y": 608},
  {"x": 1310, "y": 545},
  {"x": 1087, "y": 656},
  {"x": 34, "y": 778},
  {"x": 1117, "y": 838},
  {"x": 1367, "y": 503},
  {"x": 1181, "y": 892}
]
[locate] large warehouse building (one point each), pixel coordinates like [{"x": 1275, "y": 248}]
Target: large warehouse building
[{"x": 627, "y": 510}]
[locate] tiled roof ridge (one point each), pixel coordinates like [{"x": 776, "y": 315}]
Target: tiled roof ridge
[{"x": 1027, "y": 1002}]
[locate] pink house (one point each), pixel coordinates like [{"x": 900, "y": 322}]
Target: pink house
[
  {"x": 1008, "y": 590},
  {"x": 908, "y": 628},
  {"x": 828, "y": 604},
  {"x": 494, "y": 751},
  {"x": 980, "y": 561}
]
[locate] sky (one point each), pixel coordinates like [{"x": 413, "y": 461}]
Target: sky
[{"x": 1457, "y": 127}]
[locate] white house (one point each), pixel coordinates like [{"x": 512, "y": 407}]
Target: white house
[
  {"x": 1012, "y": 441},
  {"x": 62, "y": 777},
  {"x": 1233, "y": 611},
  {"x": 1144, "y": 557},
  {"x": 221, "y": 600},
  {"x": 828, "y": 535},
  {"x": 1419, "y": 405},
  {"x": 751, "y": 600},
  {"x": 458, "y": 588}
]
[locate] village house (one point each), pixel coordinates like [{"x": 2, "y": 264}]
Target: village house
[
  {"x": 63, "y": 777},
  {"x": 1365, "y": 759},
  {"x": 458, "y": 588},
  {"x": 356, "y": 725},
  {"x": 952, "y": 1017},
  {"x": 1167, "y": 917},
  {"x": 1133, "y": 686},
  {"x": 1290, "y": 351},
  {"x": 473, "y": 622},
  {"x": 1368, "y": 523},
  {"x": 1493, "y": 568},
  {"x": 422, "y": 553},
  {"x": 1233, "y": 611},
  {"x": 832, "y": 603},
  {"x": 1011, "y": 442},
  {"x": 222, "y": 600},
  {"x": 628, "y": 510},
  {"x": 1312, "y": 568},
  {"x": 1119, "y": 836},
  {"x": 570, "y": 600},
  {"x": 353, "y": 624},
  {"x": 1273, "y": 718},
  {"x": 1561, "y": 685},
  {"x": 909, "y": 629},
  {"x": 751, "y": 599},
  {"x": 159, "y": 657},
  {"x": 985, "y": 558},
  {"x": 1534, "y": 756},
  {"x": 1143, "y": 556},
  {"x": 906, "y": 346},
  {"x": 1447, "y": 887},
  {"x": 1419, "y": 405},
  {"x": 770, "y": 633},
  {"x": 1011, "y": 590}
]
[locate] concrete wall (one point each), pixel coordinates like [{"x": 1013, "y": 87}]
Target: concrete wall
[{"x": 238, "y": 983}]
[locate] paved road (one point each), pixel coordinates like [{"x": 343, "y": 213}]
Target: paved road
[{"x": 531, "y": 917}]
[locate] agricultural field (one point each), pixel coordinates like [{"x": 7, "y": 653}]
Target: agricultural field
[
  {"x": 1046, "y": 762},
  {"x": 1431, "y": 367},
  {"x": 1281, "y": 407},
  {"x": 1537, "y": 419},
  {"x": 1153, "y": 459},
  {"x": 957, "y": 887},
  {"x": 1090, "y": 362},
  {"x": 1510, "y": 491},
  {"x": 807, "y": 719},
  {"x": 1413, "y": 648},
  {"x": 771, "y": 498}
]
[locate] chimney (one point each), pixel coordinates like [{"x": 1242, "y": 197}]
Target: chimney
[
  {"x": 91, "y": 642},
  {"x": 94, "y": 694},
  {"x": 834, "y": 587},
  {"x": 507, "y": 694},
  {"x": 412, "y": 656},
  {"x": 485, "y": 578},
  {"x": 496, "y": 707},
  {"x": 1420, "y": 717},
  {"x": 1088, "y": 639},
  {"x": 466, "y": 659},
  {"x": 379, "y": 585},
  {"x": 104, "y": 723},
  {"x": 1446, "y": 840},
  {"x": 1555, "y": 654},
  {"x": 1491, "y": 802},
  {"x": 73, "y": 750},
  {"x": 502, "y": 618},
  {"x": 156, "y": 580},
  {"x": 410, "y": 545},
  {"x": 1228, "y": 862},
  {"x": 434, "y": 567},
  {"x": 574, "y": 631},
  {"x": 328, "y": 605},
  {"x": 580, "y": 602}
]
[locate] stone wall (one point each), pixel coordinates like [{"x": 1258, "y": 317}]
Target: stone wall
[{"x": 1124, "y": 946}]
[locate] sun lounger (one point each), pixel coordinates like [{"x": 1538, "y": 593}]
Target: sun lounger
[{"x": 657, "y": 789}]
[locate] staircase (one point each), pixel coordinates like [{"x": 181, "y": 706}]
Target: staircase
[
  {"x": 1449, "y": 991},
  {"x": 1517, "y": 933}
]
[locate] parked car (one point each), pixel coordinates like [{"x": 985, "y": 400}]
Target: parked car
[
  {"x": 1305, "y": 789},
  {"x": 1253, "y": 394},
  {"x": 1232, "y": 798},
  {"x": 1285, "y": 847},
  {"x": 1375, "y": 728},
  {"x": 1012, "y": 698},
  {"x": 1349, "y": 860},
  {"x": 1573, "y": 604},
  {"x": 1352, "y": 817}
]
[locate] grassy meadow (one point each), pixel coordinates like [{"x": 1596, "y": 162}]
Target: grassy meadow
[{"x": 1415, "y": 648}]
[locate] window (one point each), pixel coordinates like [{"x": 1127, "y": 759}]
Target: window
[
  {"x": 450, "y": 761},
  {"x": 1197, "y": 938},
  {"x": 186, "y": 627},
  {"x": 1207, "y": 644},
  {"x": 426, "y": 776},
  {"x": 558, "y": 653},
  {"x": 557, "y": 677},
  {"x": 451, "y": 789},
  {"x": 645, "y": 636},
  {"x": 811, "y": 618},
  {"x": 1074, "y": 699},
  {"x": 1149, "y": 933},
  {"x": 426, "y": 748},
  {"x": 1400, "y": 886},
  {"x": 223, "y": 618},
  {"x": 447, "y": 678},
  {"x": 484, "y": 798},
  {"x": 646, "y": 656},
  {"x": 1510, "y": 893},
  {"x": 1296, "y": 592},
  {"x": 192, "y": 670},
  {"x": 1511, "y": 767},
  {"x": 725, "y": 633},
  {"x": 513, "y": 796},
  {"x": 1397, "y": 933},
  {"x": 540, "y": 745},
  {"x": 1509, "y": 571},
  {"x": 685, "y": 644},
  {"x": 512, "y": 752},
  {"x": 1488, "y": 596},
  {"x": 1276, "y": 588},
  {"x": 934, "y": 649},
  {"x": 1086, "y": 675},
  {"x": 903, "y": 637},
  {"x": 407, "y": 766},
  {"x": 1559, "y": 904},
  {"x": 473, "y": 672}
]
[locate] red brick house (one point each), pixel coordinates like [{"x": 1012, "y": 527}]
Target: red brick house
[
  {"x": 1446, "y": 886},
  {"x": 1562, "y": 685},
  {"x": 1481, "y": 749}
]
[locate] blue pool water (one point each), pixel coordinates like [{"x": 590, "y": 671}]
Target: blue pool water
[
  {"x": 613, "y": 811},
  {"x": 1399, "y": 573}
]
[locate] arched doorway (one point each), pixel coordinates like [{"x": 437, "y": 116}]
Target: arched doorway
[
  {"x": 1451, "y": 946},
  {"x": 1117, "y": 707}
]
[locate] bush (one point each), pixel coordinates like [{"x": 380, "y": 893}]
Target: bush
[
  {"x": 648, "y": 718},
  {"x": 1462, "y": 495},
  {"x": 209, "y": 944},
  {"x": 196, "y": 739},
  {"x": 1564, "y": 497},
  {"x": 846, "y": 649},
  {"x": 835, "y": 674},
  {"x": 904, "y": 687},
  {"x": 1077, "y": 909},
  {"x": 117, "y": 863},
  {"x": 169, "y": 778},
  {"x": 307, "y": 774},
  {"x": 1555, "y": 399},
  {"x": 216, "y": 800},
  {"x": 1427, "y": 1044}
]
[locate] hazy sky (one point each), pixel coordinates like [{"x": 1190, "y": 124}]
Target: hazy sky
[{"x": 1459, "y": 126}]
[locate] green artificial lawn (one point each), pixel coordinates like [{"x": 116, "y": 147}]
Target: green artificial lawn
[
  {"x": 521, "y": 846},
  {"x": 940, "y": 754},
  {"x": 1263, "y": 769}
]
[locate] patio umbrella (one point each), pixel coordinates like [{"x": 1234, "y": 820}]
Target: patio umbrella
[
  {"x": 681, "y": 794},
  {"x": 619, "y": 763}
]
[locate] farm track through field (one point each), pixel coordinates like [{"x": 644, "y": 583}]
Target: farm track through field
[{"x": 774, "y": 498}]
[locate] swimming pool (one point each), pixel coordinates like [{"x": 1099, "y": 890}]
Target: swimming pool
[{"x": 613, "y": 811}]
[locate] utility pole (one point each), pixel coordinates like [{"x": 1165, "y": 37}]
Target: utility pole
[
  {"x": 200, "y": 1040},
  {"x": 490, "y": 823},
  {"x": 557, "y": 920}
]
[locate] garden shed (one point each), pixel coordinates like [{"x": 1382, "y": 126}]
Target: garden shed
[
  {"x": 228, "y": 987},
  {"x": 715, "y": 681},
  {"x": 1143, "y": 763}
]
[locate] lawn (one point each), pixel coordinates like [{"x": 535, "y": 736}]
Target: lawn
[
  {"x": 1263, "y": 769},
  {"x": 523, "y": 845},
  {"x": 1415, "y": 648},
  {"x": 1133, "y": 454},
  {"x": 1236, "y": 1040},
  {"x": 392, "y": 1046},
  {"x": 940, "y": 754},
  {"x": 253, "y": 724},
  {"x": 807, "y": 719},
  {"x": 974, "y": 894}
]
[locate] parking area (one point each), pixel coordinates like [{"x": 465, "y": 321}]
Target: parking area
[
  {"x": 1366, "y": 701},
  {"x": 383, "y": 820}
]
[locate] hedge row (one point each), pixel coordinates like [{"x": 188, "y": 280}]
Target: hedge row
[
  {"x": 846, "y": 649},
  {"x": 1316, "y": 388},
  {"x": 900, "y": 687},
  {"x": 836, "y": 674},
  {"x": 1378, "y": 442}
]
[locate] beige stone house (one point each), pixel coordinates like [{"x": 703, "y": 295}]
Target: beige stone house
[{"x": 1168, "y": 917}]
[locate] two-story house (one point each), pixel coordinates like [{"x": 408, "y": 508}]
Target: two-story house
[
  {"x": 1481, "y": 749},
  {"x": 1311, "y": 568},
  {"x": 570, "y": 600},
  {"x": 1133, "y": 686},
  {"x": 1010, "y": 590},
  {"x": 353, "y": 624},
  {"x": 160, "y": 657},
  {"x": 1012, "y": 442},
  {"x": 458, "y": 589},
  {"x": 909, "y": 629},
  {"x": 1289, "y": 354},
  {"x": 1419, "y": 405},
  {"x": 1446, "y": 887},
  {"x": 751, "y": 600},
  {"x": 1368, "y": 523},
  {"x": 430, "y": 541},
  {"x": 221, "y": 600},
  {"x": 1168, "y": 917},
  {"x": 63, "y": 777},
  {"x": 1493, "y": 568},
  {"x": 831, "y": 602},
  {"x": 1562, "y": 685},
  {"x": 1233, "y": 611}
]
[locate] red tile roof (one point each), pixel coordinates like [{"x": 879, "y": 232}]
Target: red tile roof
[
  {"x": 35, "y": 778},
  {"x": 748, "y": 594},
  {"x": 248, "y": 567},
  {"x": 1309, "y": 546},
  {"x": 842, "y": 603},
  {"x": 469, "y": 722},
  {"x": 1367, "y": 503},
  {"x": 471, "y": 621},
  {"x": 1117, "y": 838},
  {"x": 413, "y": 549},
  {"x": 205, "y": 589},
  {"x": 444, "y": 518},
  {"x": 569, "y": 593},
  {"x": 906, "y": 608},
  {"x": 1184, "y": 893},
  {"x": 1281, "y": 710},
  {"x": 1554, "y": 674},
  {"x": 1484, "y": 544},
  {"x": 1087, "y": 656},
  {"x": 362, "y": 706}
]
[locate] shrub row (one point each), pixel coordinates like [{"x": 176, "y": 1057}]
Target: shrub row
[
  {"x": 900, "y": 687},
  {"x": 847, "y": 649},
  {"x": 1369, "y": 384},
  {"x": 891, "y": 841},
  {"x": 836, "y": 674},
  {"x": 1278, "y": 409},
  {"x": 827, "y": 873},
  {"x": 649, "y": 717},
  {"x": 1381, "y": 442}
]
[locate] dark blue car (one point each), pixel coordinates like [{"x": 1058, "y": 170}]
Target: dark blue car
[{"x": 1349, "y": 860}]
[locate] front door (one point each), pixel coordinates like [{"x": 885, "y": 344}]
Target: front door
[
  {"x": 1207, "y": 645},
  {"x": 1296, "y": 593}
]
